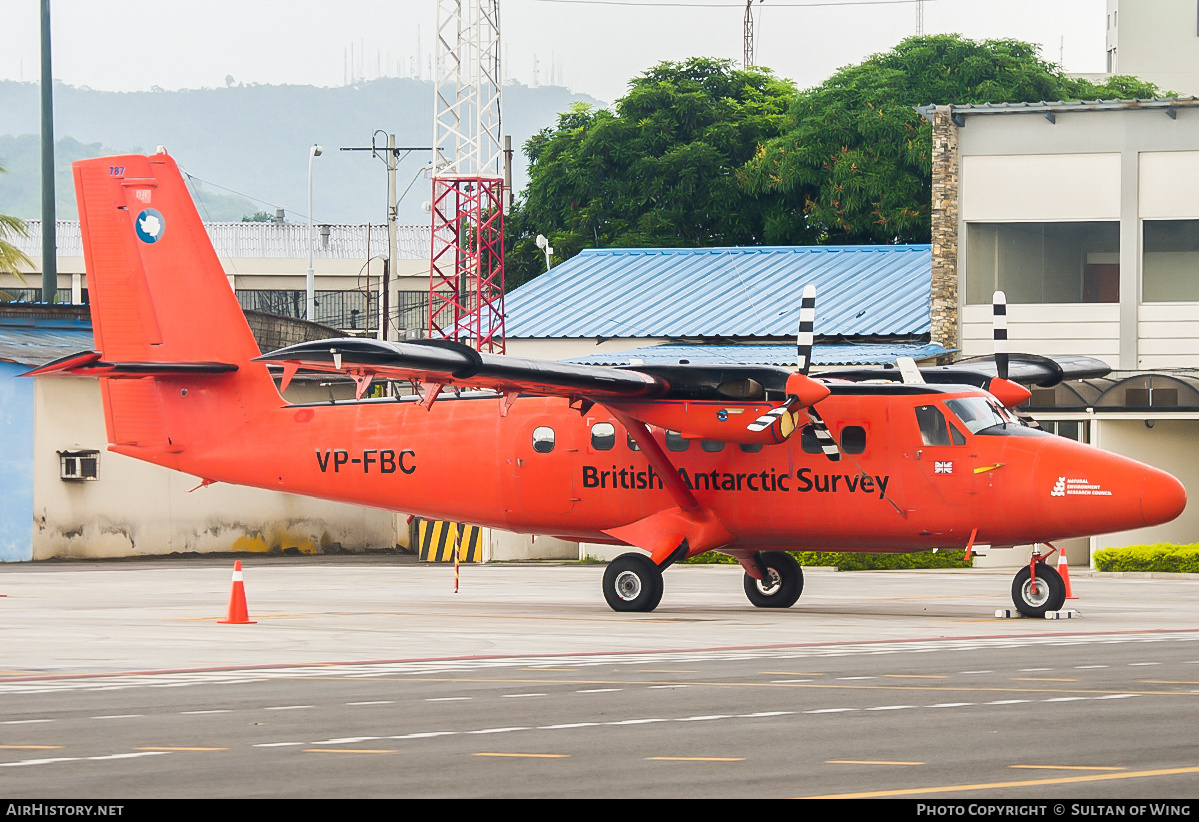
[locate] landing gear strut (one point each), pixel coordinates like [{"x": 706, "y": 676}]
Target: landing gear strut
[
  {"x": 632, "y": 582},
  {"x": 782, "y": 583}
]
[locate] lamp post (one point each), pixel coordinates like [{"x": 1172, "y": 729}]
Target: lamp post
[{"x": 310, "y": 279}]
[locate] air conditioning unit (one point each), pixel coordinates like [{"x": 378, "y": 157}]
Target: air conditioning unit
[{"x": 77, "y": 466}]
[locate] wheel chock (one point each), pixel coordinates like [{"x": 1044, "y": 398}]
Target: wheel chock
[
  {"x": 1068, "y": 613},
  {"x": 1007, "y": 613}
]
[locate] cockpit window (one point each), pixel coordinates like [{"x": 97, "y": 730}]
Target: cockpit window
[
  {"x": 933, "y": 428},
  {"x": 976, "y": 413}
]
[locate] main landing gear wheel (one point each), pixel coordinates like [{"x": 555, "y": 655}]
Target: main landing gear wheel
[
  {"x": 632, "y": 582},
  {"x": 1034, "y": 597},
  {"x": 783, "y": 583}
]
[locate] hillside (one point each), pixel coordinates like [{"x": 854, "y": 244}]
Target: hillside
[{"x": 252, "y": 141}]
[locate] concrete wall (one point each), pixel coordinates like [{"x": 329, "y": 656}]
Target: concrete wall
[
  {"x": 1172, "y": 445},
  {"x": 1155, "y": 40},
  {"x": 16, "y": 464},
  {"x": 136, "y": 508}
]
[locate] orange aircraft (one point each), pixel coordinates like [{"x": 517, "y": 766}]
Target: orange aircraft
[{"x": 675, "y": 460}]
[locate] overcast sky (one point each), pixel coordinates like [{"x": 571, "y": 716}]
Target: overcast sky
[{"x": 591, "y": 46}]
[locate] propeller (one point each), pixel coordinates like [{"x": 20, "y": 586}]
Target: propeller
[
  {"x": 1007, "y": 392},
  {"x": 802, "y": 390}
]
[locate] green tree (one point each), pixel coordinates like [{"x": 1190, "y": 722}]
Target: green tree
[
  {"x": 857, "y": 154},
  {"x": 10, "y": 256},
  {"x": 660, "y": 169}
]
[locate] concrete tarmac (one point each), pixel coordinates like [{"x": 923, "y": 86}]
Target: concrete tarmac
[{"x": 368, "y": 677}]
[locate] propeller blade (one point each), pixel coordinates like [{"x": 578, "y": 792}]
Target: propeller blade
[
  {"x": 807, "y": 324},
  {"x": 827, "y": 444},
  {"x": 999, "y": 329},
  {"x": 773, "y": 415}
]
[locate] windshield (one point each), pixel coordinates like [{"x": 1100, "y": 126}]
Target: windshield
[{"x": 975, "y": 413}]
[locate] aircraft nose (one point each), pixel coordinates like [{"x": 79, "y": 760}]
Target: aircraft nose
[{"x": 1162, "y": 497}]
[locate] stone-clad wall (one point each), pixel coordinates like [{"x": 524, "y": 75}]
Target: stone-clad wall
[{"x": 945, "y": 229}]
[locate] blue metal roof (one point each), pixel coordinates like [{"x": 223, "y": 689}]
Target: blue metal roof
[
  {"x": 784, "y": 355},
  {"x": 727, "y": 292}
]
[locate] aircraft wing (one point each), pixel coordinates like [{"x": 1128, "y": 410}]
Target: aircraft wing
[
  {"x": 1026, "y": 369},
  {"x": 445, "y": 362}
]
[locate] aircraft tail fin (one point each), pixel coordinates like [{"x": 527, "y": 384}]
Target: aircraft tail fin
[{"x": 161, "y": 307}]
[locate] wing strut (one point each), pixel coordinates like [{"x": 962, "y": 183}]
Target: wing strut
[{"x": 657, "y": 458}]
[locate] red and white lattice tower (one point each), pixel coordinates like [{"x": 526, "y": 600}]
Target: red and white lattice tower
[{"x": 466, "y": 277}]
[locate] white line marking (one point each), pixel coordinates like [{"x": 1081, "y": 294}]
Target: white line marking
[
  {"x": 24, "y": 721},
  {"x": 949, "y": 705},
  {"x": 890, "y": 707},
  {"x": 1009, "y": 701},
  {"x": 119, "y": 716},
  {"x": 192, "y": 713},
  {"x": 425, "y": 735},
  {"x": 1065, "y": 699},
  {"x": 287, "y": 708},
  {"x": 976, "y": 672},
  {"x": 636, "y": 721},
  {"x": 567, "y": 725},
  {"x": 450, "y": 699},
  {"x": 668, "y": 686},
  {"x": 128, "y": 755},
  {"x": 376, "y": 702},
  {"x": 39, "y": 761},
  {"x": 702, "y": 718},
  {"x": 1118, "y": 696},
  {"x": 1143, "y": 663},
  {"x": 347, "y": 739},
  {"x": 1033, "y": 670},
  {"x": 857, "y": 677},
  {"x": 830, "y": 710},
  {"x": 517, "y": 696},
  {"x": 786, "y": 681},
  {"x": 498, "y": 730},
  {"x": 599, "y": 691},
  {"x": 766, "y": 713},
  {"x": 277, "y": 744},
  {"x": 1087, "y": 667}
]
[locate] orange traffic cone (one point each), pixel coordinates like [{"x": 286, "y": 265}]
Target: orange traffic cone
[
  {"x": 1063, "y": 569},
  {"x": 239, "y": 614}
]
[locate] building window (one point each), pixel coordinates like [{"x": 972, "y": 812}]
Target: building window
[
  {"x": 543, "y": 439},
  {"x": 76, "y": 466},
  {"x": 1043, "y": 262},
  {"x": 603, "y": 436},
  {"x": 1170, "y": 265}
]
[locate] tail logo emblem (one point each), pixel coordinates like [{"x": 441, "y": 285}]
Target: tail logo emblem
[{"x": 150, "y": 225}]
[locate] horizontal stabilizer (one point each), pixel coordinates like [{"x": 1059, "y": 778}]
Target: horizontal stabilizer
[
  {"x": 447, "y": 362},
  {"x": 89, "y": 363}
]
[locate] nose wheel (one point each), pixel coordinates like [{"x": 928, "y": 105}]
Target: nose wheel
[
  {"x": 1033, "y": 597},
  {"x": 632, "y": 582},
  {"x": 782, "y": 581}
]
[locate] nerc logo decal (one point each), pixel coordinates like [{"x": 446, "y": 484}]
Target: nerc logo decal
[
  {"x": 1077, "y": 487},
  {"x": 150, "y": 225}
]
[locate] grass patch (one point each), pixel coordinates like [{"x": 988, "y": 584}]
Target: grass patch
[
  {"x": 856, "y": 561},
  {"x": 1161, "y": 557}
]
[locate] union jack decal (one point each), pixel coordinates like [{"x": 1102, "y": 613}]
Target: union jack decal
[{"x": 943, "y": 468}]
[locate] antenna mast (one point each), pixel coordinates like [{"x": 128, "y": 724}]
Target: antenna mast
[{"x": 466, "y": 277}]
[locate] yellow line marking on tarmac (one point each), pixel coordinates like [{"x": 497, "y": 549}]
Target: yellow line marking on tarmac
[
  {"x": 164, "y": 748},
  {"x": 348, "y": 750},
  {"x": 989, "y": 786},
  {"x": 918, "y": 676},
  {"x": 1168, "y": 682},
  {"x": 29, "y": 747},
  {"x": 1071, "y": 767},
  {"x": 695, "y": 758},
  {"x": 1039, "y": 679},
  {"x": 868, "y": 762},
  {"x": 525, "y": 755}
]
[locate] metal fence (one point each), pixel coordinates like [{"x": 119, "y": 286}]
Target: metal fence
[
  {"x": 34, "y": 295},
  {"x": 345, "y": 310}
]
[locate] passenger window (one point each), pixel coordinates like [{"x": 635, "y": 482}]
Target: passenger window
[
  {"x": 750, "y": 447},
  {"x": 711, "y": 446},
  {"x": 543, "y": 439},
  {"x": 808, "y": 441},
  {"x": 603, "y": 436},
  {"x": 674, "y": 442},
  {"x": 633, "y": 446},
  {"x": 933, "y": 428},
  {"x": 853, "y": 439}
]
